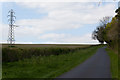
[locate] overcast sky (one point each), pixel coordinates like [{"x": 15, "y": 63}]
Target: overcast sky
[{"x": 55, "y": 22}]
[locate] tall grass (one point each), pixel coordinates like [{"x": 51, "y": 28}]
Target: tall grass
[
  {"x": 16, "y": 54},
  {"x": 46, "y": 66},
  {"x": 114, "y": 63}
]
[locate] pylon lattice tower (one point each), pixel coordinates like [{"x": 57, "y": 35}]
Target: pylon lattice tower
[{"x": 11, "y": 20}]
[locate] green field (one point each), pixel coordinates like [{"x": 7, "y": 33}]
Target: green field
[
  {"x": 115, "y": 63},
  {"x": 49, "y": 66},
  {"x": 48, "y": 45},
  {"x": 23, "y": 51}
]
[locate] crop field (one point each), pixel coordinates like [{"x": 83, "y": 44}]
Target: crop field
[
  {"x": 23, "y": 51},
  {"x": 43, "y": 60},
  {"x": 47, "y": 45}
]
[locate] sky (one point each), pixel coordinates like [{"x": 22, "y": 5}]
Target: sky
[{"x": 55, "y": 22}]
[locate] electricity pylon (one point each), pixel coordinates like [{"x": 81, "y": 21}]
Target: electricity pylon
[{"x": 11, "y": 20}]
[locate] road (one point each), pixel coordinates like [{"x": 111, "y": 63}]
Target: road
[{"x": 97, "y": 66}]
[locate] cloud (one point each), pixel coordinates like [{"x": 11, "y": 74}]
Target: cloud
[
  {"x": 61, "y": 16},
  {"x": 66, "y": 15},
  {"x": 37, "y": 26},
  {"x": 53, "y": 36},
  {"x": 4, "y": 32},
  {"x": 81, "y": 13},
  {"x": 58, "y": 0},
  {"x": 68, "y": 38}
]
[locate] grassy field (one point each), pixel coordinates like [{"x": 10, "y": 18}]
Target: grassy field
[
  {"x": 46, "y": 66},
  {"x": 23, "y": 51},
  {"x": 48, "y": 45},
  {"x": 115, "y": 63}
]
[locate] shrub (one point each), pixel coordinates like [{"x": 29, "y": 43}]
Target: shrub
[{"x": 15, "y": 54}]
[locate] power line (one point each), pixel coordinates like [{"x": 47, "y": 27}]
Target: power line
[{"x": 11, "y": 20}]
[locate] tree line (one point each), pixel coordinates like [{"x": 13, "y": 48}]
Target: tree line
[{"x": 109, "y": 31}]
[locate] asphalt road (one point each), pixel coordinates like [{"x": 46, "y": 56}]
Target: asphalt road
[{"x": 97, "y": 66}]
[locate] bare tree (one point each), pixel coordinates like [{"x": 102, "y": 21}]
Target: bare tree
[{"x": 104, "y": 21}]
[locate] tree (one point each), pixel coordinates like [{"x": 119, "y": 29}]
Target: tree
[
  {"x": 118, "y": 18},
  {"x": 99, "y": 32},
  {"x": 112, "y": 36},
  {"x": 105, "y": 20},
  {"x": 109, "y": 31}
]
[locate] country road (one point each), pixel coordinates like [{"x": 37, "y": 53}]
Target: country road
[{"x": 97, "y": 66}]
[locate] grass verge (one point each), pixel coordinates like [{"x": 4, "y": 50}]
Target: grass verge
[
  {"x": 114, "y": 63},
  {"x": 46, "y": 66}
]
